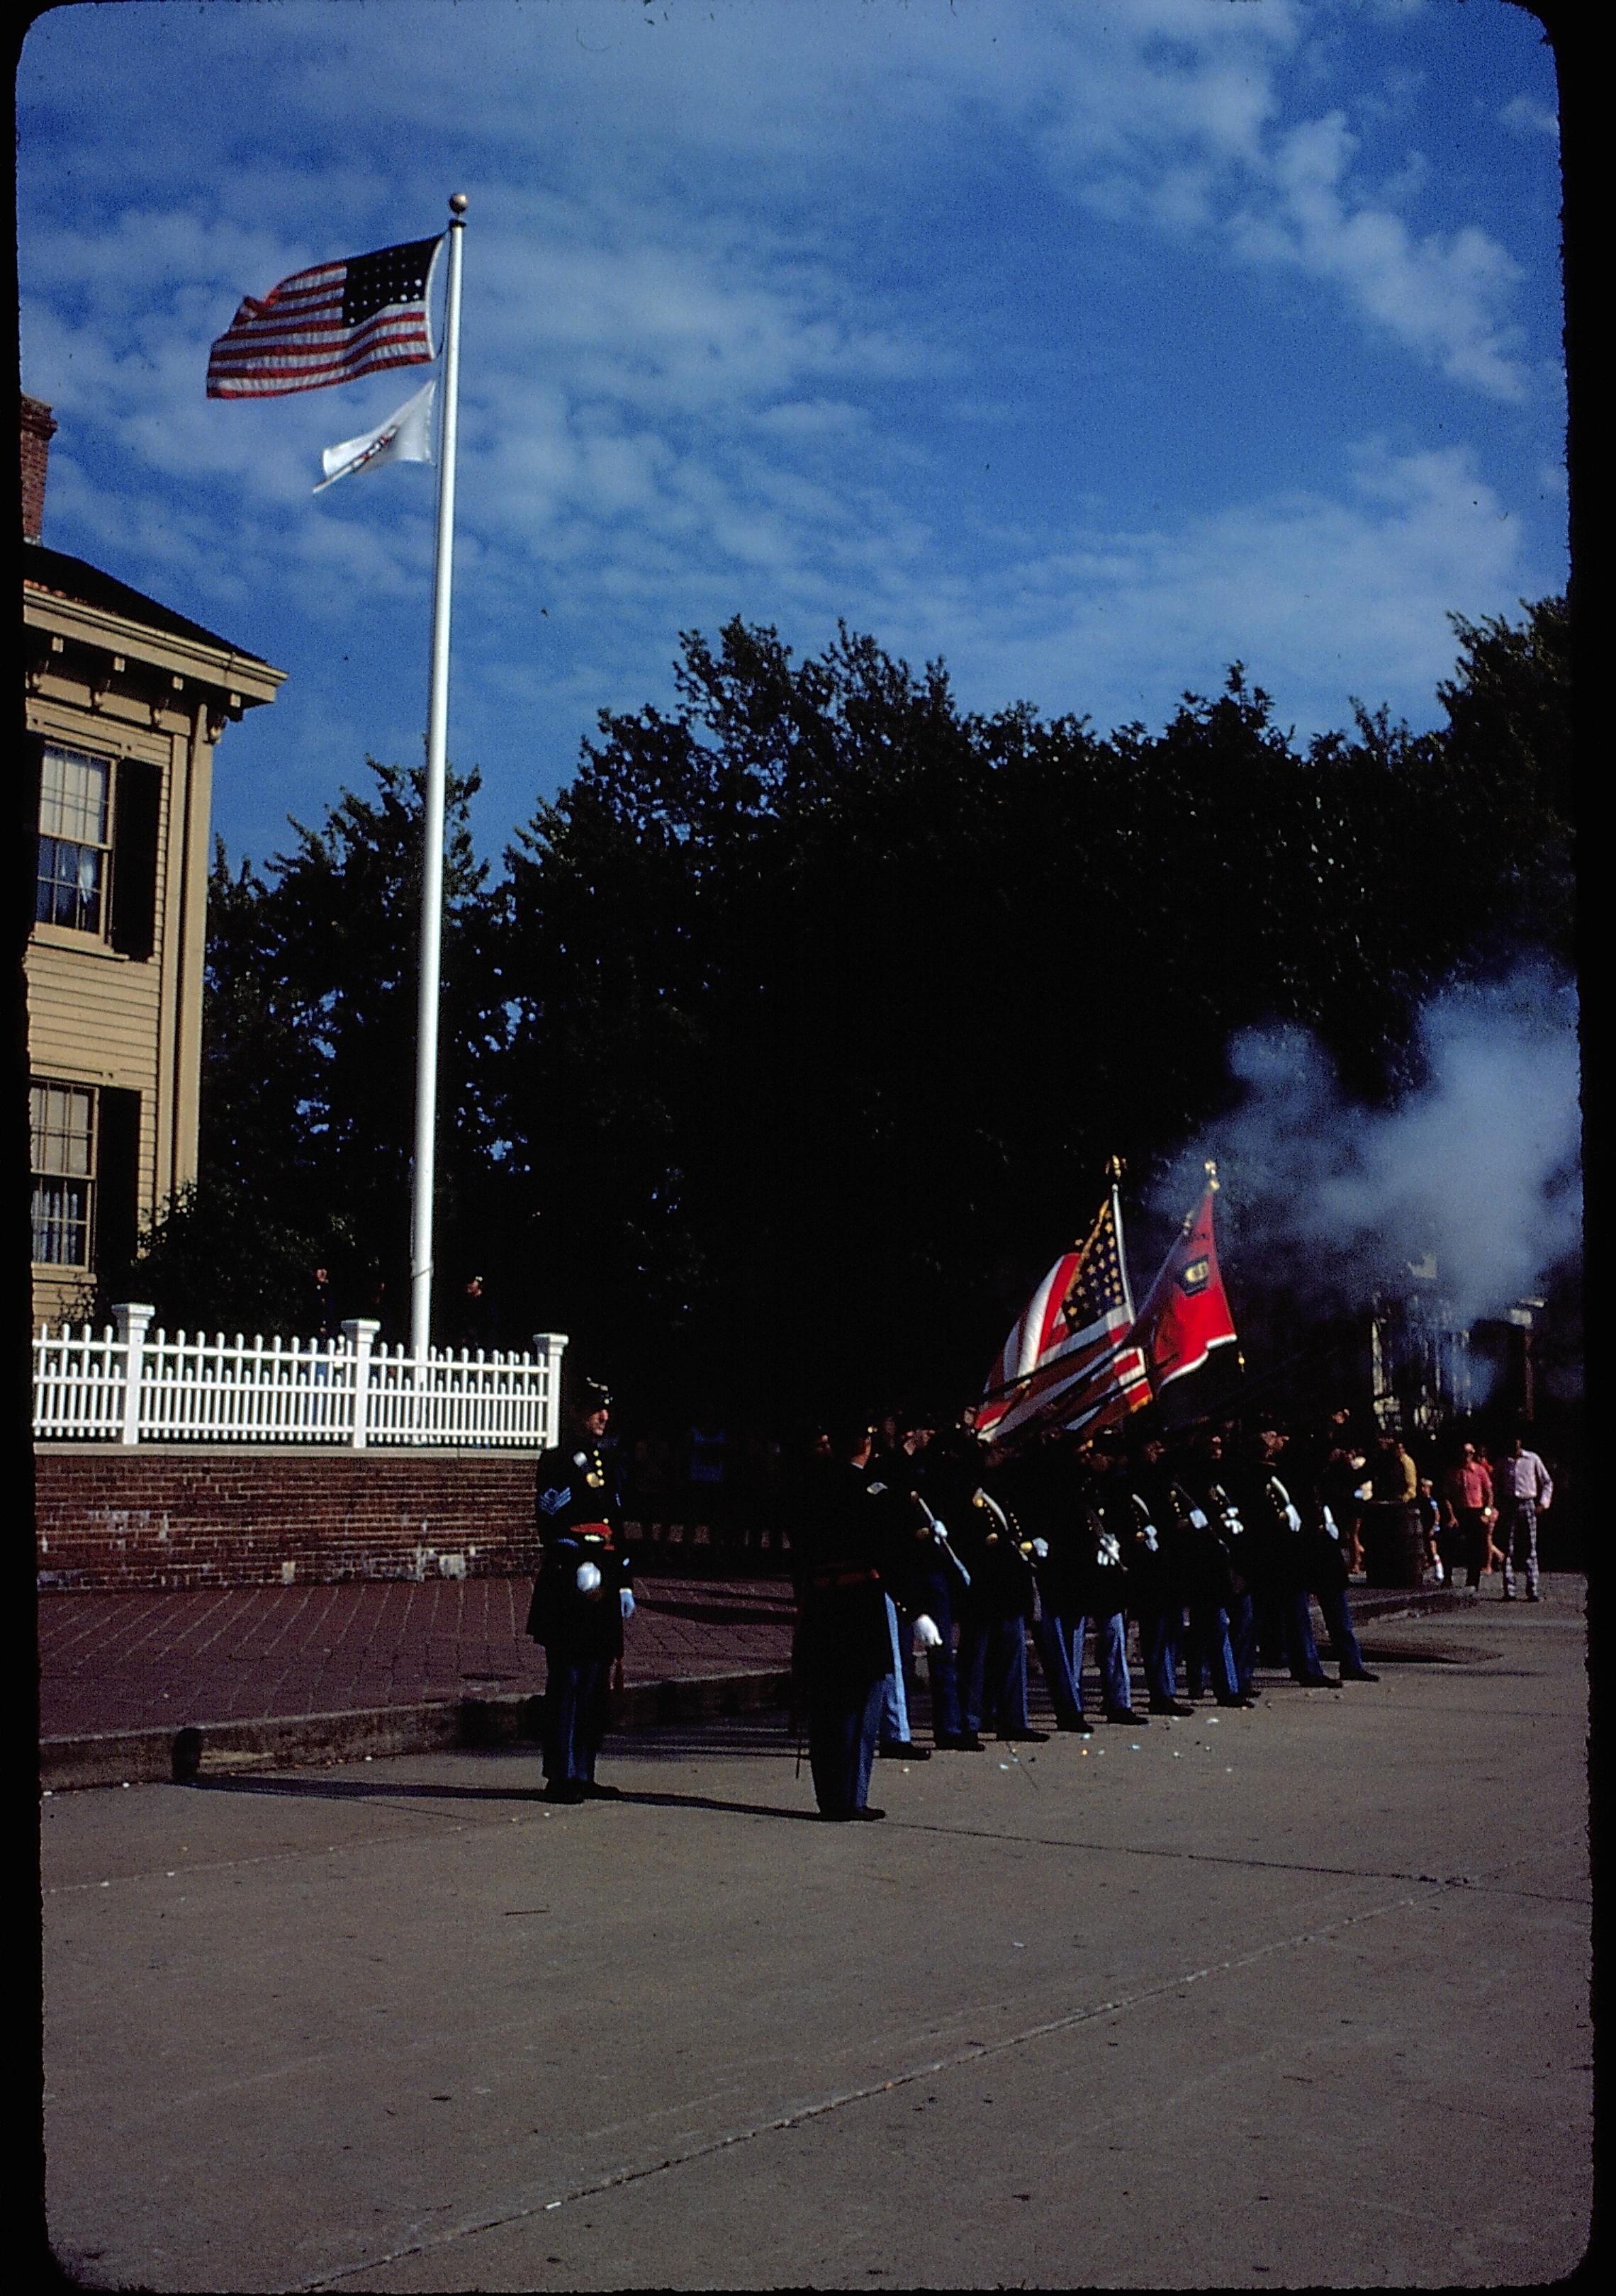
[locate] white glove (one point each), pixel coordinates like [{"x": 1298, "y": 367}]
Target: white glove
[
  {"x": 926, "y": 1635},
  {"x": 1330, "y": 1524},
  {"x": 1040, "y": 1547},
  {"x": 1198, "y": 1517},
  {"x": 625, "y": 1601},
  {"x": 1293, "y": 1518},
  {"x": 587, "y": 1580},
  {"x": 940, "y": 1529}
]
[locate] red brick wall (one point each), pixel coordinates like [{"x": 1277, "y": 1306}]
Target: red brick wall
[
  {"x": 170, "y": 1517},
  {"x": 39, "y": 429}
]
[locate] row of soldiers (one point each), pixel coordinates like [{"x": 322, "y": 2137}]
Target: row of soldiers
[
  {"x": 932, "y": 1544},
  {"x": 929, "y": 1544}
]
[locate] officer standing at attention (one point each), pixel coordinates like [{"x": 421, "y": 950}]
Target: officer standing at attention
[
  {"x": 849, "y": 1545},
  {"x": 1201, "y": 1473},
  {"x": 950, "y": 1468},
  {"x": 1279, "y": 1547},
  {"x": 995, "y": 1609},
  {"x": 1155, "y": 1593},
  {"x": 1105, "y": 1574},
  {"x": 1199, "y": 1571},
  {"x": 582, "y": 1596}
]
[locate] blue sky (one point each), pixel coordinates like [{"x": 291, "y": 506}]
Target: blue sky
[{"x": 1087, "y": 346}]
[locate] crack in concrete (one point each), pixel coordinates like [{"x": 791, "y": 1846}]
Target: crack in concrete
[{"x": 973, "y": 2053}]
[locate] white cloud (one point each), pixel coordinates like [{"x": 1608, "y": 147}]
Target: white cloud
[
  {"x": 1321, "y": 596},
  {"x": 1441, "y": 295},
  {"x": 711, "y": 372},
  {"x": 1525, "y": 113}
]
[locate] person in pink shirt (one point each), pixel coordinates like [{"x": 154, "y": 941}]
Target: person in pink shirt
[{"x": 1467, "y": 1499}]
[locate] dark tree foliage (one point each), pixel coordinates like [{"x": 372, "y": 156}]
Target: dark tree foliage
[
  {"x": 831, "y": 1001},
  {"x": 798, "y": 1034}
]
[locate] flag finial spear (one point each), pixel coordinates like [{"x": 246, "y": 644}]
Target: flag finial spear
[
  {"x": 1211, "y": 1173},
  {"x": 1113, "y": 1167}
]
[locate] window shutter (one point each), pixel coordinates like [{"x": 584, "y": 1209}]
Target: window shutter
[
  {"x": 138, "y": 796},
  {"x": 27, "y": 844},
  {"x": 117, "y": 1182}
]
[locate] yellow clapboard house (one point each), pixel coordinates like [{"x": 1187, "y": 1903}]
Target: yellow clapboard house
[{"x": 125, "y": 703}]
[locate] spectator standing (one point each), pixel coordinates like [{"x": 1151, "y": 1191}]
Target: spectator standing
[
  {"x": 1469, "y": 1514},
  {"x": 1524, "y": 1491}
]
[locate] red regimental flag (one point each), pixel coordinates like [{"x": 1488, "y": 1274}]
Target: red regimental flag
[{"x": 1186, "y": 1313}]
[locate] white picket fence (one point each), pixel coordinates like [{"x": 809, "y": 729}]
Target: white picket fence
[{"x": 131, "y": 1384}]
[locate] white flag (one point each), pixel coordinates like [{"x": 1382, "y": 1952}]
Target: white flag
[{"x": 405, "y": 436}]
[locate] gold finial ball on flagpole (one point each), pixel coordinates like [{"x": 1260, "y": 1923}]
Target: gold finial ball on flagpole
[{"x": 459, "y": 202}]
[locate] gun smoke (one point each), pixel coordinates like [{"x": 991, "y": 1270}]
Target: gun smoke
[{"x": 1476, "y": 1166}]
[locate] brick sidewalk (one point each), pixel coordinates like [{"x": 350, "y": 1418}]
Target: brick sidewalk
[
  {"x": 112, "y": 1662},
  {"x": 141, "y": 1662}
]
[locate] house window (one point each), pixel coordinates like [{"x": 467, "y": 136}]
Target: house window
[
  {"x": 75, "y": 839},
  {"x": 63, "y": 1123}
]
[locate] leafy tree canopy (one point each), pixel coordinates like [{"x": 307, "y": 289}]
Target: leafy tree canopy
[{"x": 802, "y": 1020}]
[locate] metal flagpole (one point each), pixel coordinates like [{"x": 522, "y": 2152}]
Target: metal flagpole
[{"x": 431, "y": 871}]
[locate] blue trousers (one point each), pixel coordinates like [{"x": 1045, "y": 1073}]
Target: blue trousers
[
  {"x": 894, "y": 1703},
  {"x": 575, "y": 1716},
  {"x": 1338, "y": 1625},
  {"x": 1062, "y": 1646},
  {"x": 1161, "y": 1633},
  {"x": 1243, "y": 1640},
  {"x": 1301, "y": 1652},
  {"x": 935, "y": 1598},
  {"x": 1054, "y": 1634},
  {"x": 993, "y": 1672},
  {"x": 1211, "y": 1653},
  {"x": 843, "y": 1723}
]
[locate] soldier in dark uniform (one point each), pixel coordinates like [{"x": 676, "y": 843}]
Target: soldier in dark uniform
[
  {"x": 894, "y": 1467},
  {"x": 848, "y": 1544},
  {"x": 1278, "y": 1538},
  {"x": 1198, "y": 1570},
  {"x": 946, "y": 1471},
  {"x": 994, "y": 1609},
  {"x": 581, "y": 1598},
  {"x": 1206, "y": 1477},
  {"x": 1312, "y": 1479},
  {"x": 1155, "y": 1587},
  {"x": 1104, "y": 1580},
  {"x": 1044, "y": 1492}
]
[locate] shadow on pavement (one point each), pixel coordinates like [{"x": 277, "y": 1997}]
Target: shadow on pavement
[{"x": 362, "y": 1790}]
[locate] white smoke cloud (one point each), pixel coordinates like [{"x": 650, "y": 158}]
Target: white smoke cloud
[{"x": 1478, "y": 1164}]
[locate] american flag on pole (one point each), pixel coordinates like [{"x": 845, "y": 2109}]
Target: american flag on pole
[
  {"x": 330, "y": 324},
  {"x": 1071, "y": 1360}
]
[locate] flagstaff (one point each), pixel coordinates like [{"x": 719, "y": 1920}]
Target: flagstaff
[{"x": 431, "y": 871}]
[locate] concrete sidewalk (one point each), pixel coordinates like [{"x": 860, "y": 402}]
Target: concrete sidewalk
[
  {"x": 1295, "y": 1997},
  {"x": 137, "y": 1687}
]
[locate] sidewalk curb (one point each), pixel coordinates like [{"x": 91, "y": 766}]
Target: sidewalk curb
[
  {"x": 165, "y": 1756},
  {"x": 115, "y": 1758},
  {"x": 1381, "y": 1603}
]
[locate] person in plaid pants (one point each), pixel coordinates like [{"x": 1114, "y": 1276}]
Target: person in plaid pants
[{"x": 1523, "y": 1490}]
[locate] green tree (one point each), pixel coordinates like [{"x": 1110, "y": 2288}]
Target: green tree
[
  {"x": 308, "y": 1101},
  {"x": 830, "y": 1000}
]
